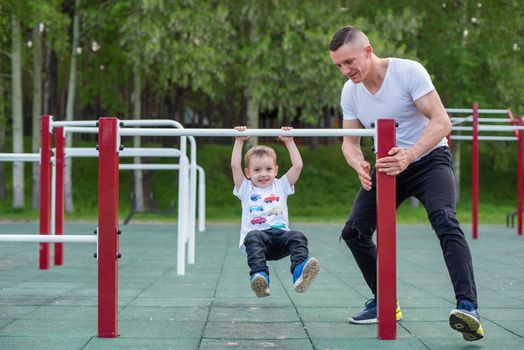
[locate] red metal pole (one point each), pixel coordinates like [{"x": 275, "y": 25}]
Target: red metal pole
[
  {"x": 520, "y": 185},
  {"x": 107, "y": 228},
  {"x": 45, "y": 189},
  {"x": 386, "y": 236},
  {"x": 475, "y": 172},
  {"x": 59, "y": 192}
]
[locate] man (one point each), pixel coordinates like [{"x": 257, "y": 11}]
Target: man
[{"x": 402, "y": 89}]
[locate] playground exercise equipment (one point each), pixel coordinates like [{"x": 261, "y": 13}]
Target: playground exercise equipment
[
  {"x": 473, "y": 118},
  {"x": 109, "y": 135}
]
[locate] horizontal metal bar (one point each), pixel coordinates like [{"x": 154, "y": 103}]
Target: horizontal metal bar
[
  {"x": 126, "y": 152},
  {"x": 489, "y": 128},
  {"x": 149, "y": 166},
  {"x": 481, "y": 120},
  {"x": 50, "y": 238},
  {"x": 74, "y": 123},
  {"x": 484, "y": 138},
  {"x": 481, "y": 111},
  {"x": 250, "y": 132},
  {"x": 19, "y": 157},
  {"x": 80, "y": 130}
]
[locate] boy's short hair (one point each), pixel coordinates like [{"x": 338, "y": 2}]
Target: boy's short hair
[{"x": 259, "y": 151}]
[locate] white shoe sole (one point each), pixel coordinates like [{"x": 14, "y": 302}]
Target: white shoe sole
[
  {"x": 309, "y": 273},
  {"x": 259, "y": 286}
]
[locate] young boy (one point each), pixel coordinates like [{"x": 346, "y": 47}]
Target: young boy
[{"x": 265, "y": 233}]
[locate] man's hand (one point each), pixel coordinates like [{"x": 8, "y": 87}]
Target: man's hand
[
  {"x": 363, "y": 175},
  {"x": 396, "y": 162}
]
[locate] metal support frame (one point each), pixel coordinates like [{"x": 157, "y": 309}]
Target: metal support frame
[{"x": 108, "y": 143}]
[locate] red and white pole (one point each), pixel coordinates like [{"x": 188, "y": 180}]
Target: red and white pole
[
  {"x": 386, "y": 236},
  {"x": 108, "y": 141},
  {"x": 520, "y": 185},
  {"x": 45, "y": 189},
  {"x": 475, "y": 172},
  {"x": 59, "y": 192}
]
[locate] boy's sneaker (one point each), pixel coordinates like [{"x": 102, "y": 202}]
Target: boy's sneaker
[
  {"x": 369, "y": 314},
  {"x": 466, "y": 320},
  {"x": 304, "y": 274},
  {"x": 259, "y": 283}
]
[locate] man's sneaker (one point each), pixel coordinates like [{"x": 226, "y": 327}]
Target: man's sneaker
[
  {"x": 466, "y": 320},
  {"x": 369, "y": 314},
  {"x": 259, "y": 283},
  {"x": 304, "y": 274}
]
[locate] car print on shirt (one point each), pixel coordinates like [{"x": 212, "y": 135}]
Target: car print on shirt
[
  {"x": 258, "y": 220},
  {"x": 275, "y": 211},
  {"x": 255, "y": 197},
  {"x": 256, "y": 208},
  {"x": 271, "y": 198},
  {"x": 278, "y": 225}
]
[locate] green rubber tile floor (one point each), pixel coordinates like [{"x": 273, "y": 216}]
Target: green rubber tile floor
[{"x": 212, "y": 307}]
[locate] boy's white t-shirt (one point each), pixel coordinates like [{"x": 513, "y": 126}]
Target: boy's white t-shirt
[
  {"x": 263, "y": 208},
  {"x": 405, "y": 82}
]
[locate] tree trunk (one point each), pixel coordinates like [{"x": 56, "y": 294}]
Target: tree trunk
[
  {"x": 137, "y": 112},
  {"x": 3, "y": 193},
  {"x": 252, "y": 120},
  {"x": 18, "y": 132},
  {"x": 68, "y": 180},
  {"x": 37, "y": 112}
]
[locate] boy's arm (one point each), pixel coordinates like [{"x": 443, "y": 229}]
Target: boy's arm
[
  {"x": 236, "y": 159},
  {"x": 296, "y": 160}
]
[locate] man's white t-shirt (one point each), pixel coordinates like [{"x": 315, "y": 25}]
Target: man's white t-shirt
[
  {"x": 263, "y": 208},
  {"x": 405, "y": 82}
]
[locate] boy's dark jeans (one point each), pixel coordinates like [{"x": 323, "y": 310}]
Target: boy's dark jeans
[
  {"x": 274, "y": 244},
  {"x": 431, "y": 181}
]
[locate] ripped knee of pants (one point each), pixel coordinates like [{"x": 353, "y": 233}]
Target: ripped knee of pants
[
  {"x": 443, "y": 221},
  {"x": 350, "y": 232}
]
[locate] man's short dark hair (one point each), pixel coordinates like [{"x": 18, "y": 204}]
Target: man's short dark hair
[{"x": 343, "y": 36}]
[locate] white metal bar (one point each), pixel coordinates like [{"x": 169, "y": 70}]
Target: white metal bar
[
  {"x": 126, "y": 152},
  {"x": 50, "y": 238},
  {"x": 481, "y": 120},
  {"x": 80, "y": 130},
  {"x": 489, "y": 128},
  {"x": 149, "y": 167},
  {"x": 19, "y": 157},
  {"x": 201, "y": 199},
  {"x": 250, "y": 132},
  {"x": 68, "y": 123},
  {"x": 484, "y": 138},
  {"x": 481, "y": 111}
]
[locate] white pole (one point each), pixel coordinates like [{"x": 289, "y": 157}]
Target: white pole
[
  {"x": 484, "y": 138},
  {"x": 50, "y": 238},
  {"x": 181, "y": 235},
  {"x": 489, "y": 128},
  {"x": 249, "y": 132},
  {"x": 19, "y": 157},
  {"x": 149, "y": 166},
  {"x": 201, "y": 199},
  {"x": 481, "y": 111},
  {"x": 192, "y": 201}
]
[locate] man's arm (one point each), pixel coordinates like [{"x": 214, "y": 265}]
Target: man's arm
[
  {"x": 236, "y": 159},
  {"x": 354, "y": 156},
  {"x": 439, "y": 127},
  {"x": 296, "y": 160}
]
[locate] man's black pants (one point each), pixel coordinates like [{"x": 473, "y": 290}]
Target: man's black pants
[
  {"x": 274, "y": 244},
  {"x": 431, "y": 181}
]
